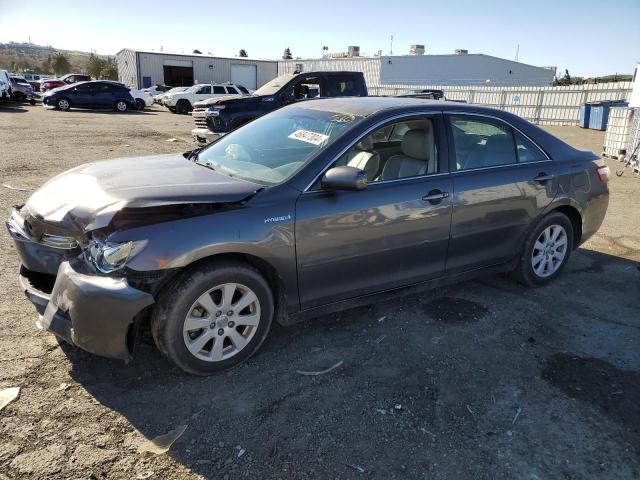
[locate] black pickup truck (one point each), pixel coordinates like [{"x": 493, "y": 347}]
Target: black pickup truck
[{"x": 217, "y": 116}]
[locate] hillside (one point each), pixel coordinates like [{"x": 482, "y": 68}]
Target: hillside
[{"x": 21, "y": 57}]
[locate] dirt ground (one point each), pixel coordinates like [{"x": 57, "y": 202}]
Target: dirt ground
[{"x": 482, "y": 380}]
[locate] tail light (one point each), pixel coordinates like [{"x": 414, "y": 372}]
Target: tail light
[{"x": 603, "y": 174}]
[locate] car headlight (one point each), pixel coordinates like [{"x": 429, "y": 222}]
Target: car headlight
[{"x": 110, "y": 256}]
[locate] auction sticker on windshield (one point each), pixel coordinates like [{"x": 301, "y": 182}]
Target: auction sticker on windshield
[{"x": 309, "y": 137}]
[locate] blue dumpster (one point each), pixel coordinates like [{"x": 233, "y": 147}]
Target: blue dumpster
[
  {"x": 599, "y": 116},
  {"x": 585, "y": 110}
]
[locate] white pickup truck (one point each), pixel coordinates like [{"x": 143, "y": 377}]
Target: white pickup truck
[{"x": 182, "y": 102}]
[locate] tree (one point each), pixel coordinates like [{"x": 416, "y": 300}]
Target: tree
[
  {"x": 109, "y": 70},
  {"x": 95, "y": 65},
  {"x": 566, "y": 79},
  {"x": 287, "y": 54},
  {"x": 242, "y": 53},
  {"x": 197, "y": 52},
  {"x": 46, "y": 65},
  {"x": 60, "y": 64}
]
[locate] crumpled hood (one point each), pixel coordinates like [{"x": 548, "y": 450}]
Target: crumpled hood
[
  {"x": 87, "y": 197},
  {"x": 232, "y": 100}
]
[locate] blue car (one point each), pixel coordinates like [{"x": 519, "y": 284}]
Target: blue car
[{"x": 93, "y": 94}]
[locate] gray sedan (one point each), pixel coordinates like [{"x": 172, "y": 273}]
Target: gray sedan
[{"x": 316, "y": 207}]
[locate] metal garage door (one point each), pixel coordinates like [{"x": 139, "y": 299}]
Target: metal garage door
[{"x": 244, "y": 75}]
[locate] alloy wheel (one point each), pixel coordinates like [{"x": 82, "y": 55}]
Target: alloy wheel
[
  {"x": 221, "y": 322},
  {"x": 63, "y": 104},
  {"x": 121, "y": 106},
  {"x": 549, "y": 251}
]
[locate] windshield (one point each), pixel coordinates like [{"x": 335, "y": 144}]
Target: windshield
[
  {"x": 274, "y": 85},
  {"x": 272, "y": 148}
]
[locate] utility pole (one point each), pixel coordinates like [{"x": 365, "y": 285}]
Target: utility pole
[
  {"x": 517, "y": 52},
  {"x": 391, "y": 51}
]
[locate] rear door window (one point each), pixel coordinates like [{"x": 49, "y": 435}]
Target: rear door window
[
  {"x": 219, "y": 90},
  {"x": 527, "y": 150},
  {"x": 481, "y": 142},
  {"x": 232, "y": 91},
  {"x": 341, "y": 86}
]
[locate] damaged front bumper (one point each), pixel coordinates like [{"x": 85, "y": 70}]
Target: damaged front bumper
[
  {"x": 94, "y": 312},
  {"x": 91, "y": 312}
]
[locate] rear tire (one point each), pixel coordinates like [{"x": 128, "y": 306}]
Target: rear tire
[
  {"x": 546, "y": 251},
  {"x": 121, "y": 106},
  {"x": 193, "y": 316},
  {"x": 183, "y": 107}
]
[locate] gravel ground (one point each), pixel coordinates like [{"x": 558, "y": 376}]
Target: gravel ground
[{"x": 482, "y": 380}]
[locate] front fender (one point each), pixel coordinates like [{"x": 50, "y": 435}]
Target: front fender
[{"x": 247, "y": 231}]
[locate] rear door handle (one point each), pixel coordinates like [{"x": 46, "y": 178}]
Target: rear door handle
[
  {"x": 435, "y": 196},
  {"x": 543, "y": 177}
]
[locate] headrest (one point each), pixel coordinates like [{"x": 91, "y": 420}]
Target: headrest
[
  {"x": 500, "y": 143},
  {"x": 414, "y": 144},
  {"x": 366, "y": 144}
]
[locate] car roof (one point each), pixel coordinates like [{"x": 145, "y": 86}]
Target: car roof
[
  {"x": 389, "y": 106},
  {"x": 366, "y": 106}
]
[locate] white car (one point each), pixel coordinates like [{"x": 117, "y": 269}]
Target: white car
[
  {"x": 154, "y": 90},
  {"x": 182, "y": 102},
  {"x": 142, "y": 98},
  {"x": 159, "y": 98}
]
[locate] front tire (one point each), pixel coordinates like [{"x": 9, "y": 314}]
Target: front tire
[
  {"x": 546, "y": 251},
  {"x": 213, "y": 317},
  {"x": 63, "y": 104},
  {"x": 183, "y": 107},
  {"x": 140, "y": 104}
]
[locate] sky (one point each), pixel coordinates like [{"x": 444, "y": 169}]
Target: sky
[{"x": 586, "y": 37}]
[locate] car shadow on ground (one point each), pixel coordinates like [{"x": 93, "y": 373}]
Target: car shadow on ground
[
  {"x": 113, "y": 112},
  {"x": 12, "y": 108},
  {"x": 419, "y": 374}
]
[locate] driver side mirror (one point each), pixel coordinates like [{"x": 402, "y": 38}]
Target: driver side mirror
[{"x": 344, "y": 178}]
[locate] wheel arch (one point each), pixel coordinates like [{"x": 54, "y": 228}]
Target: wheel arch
[
  {"x": 264, "y": 267},
  {"x": 573, "y": 214}
]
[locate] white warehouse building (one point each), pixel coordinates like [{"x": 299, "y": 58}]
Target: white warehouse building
[
  {"x": 416, "y": 71},
  {"x": 142, "y": 69}
]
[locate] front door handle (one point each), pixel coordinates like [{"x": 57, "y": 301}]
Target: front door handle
[
  {"x": 543, "y": 177},
  {"x": 435, "y": 196}
]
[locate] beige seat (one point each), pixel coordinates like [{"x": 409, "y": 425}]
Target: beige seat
[
  {"x": 363, "y": 157},
  {"x": 418, "y": 155}
]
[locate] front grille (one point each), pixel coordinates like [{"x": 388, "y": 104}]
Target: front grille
[{"x": 199, "y": 115}]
